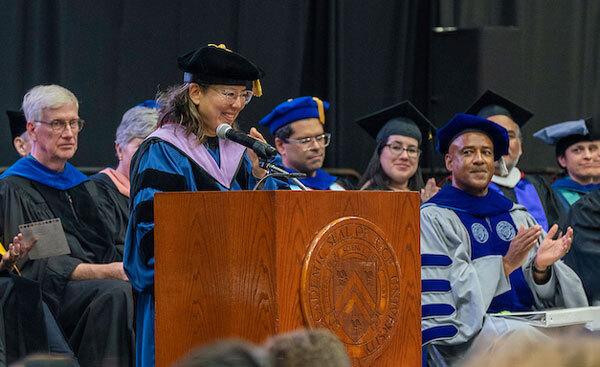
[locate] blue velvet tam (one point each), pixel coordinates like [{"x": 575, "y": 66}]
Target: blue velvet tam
[
  {"x": 492, "y": 104},
  {"x": 462, "y": 123},
  {"x": 17, "y": 122},
  {"x": 149, "y": 103},
  {"x": 294, "y": 110}
]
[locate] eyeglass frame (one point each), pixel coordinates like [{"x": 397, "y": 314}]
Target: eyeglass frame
[
  {"x": 224, "y": 93},
  {"x": 399, "y": 149},
  {"x": 307, "y": 141},
  {"x": 79, "y": 123}
]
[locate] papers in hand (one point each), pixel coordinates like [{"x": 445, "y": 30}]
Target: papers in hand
[
  {"x": 50, "y": 236},
  {"x": 556, "y": 318}
]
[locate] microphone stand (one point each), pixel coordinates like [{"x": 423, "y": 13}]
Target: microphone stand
[{"x": 275, "y": 171}]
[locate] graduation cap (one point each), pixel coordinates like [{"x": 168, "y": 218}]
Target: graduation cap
[
  {"x": 491, "y": 104},
  {"x": 293, "y": 110},
  {"x": 565, "y": 134},
  {"x": 17, "y": 122},
  {"x": 215, "y": 64},
  {"x": 400, "y": 119},
  {"x": 462, "y": 123}
]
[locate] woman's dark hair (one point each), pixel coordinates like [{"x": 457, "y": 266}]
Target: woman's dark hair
[{"x": 379, "y": 180}]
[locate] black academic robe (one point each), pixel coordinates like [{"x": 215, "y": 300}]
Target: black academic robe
[
  {"x": 547, "y": 198},
  {"x": 26, "y": 324},
  {"x": 114, "y": 207},
  {"x": 584, "y": 255},
  {"x": 95, "y": 315}
]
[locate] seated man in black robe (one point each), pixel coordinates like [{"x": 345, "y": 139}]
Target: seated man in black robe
[{"x": 86, "y": 290}]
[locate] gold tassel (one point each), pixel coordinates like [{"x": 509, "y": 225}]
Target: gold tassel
[
  {"x": 257, "y": 88},
  {"x": 321, "y": 109},
  {"x": 221, "y": 45}
]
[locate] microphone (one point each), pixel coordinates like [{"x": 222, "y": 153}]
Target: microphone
[{"x": 263, "y": 150}]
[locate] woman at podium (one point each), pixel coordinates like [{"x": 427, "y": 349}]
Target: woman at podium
[
  {"x": 184, "y": 154},
  {"x": 398, "y": 131}
]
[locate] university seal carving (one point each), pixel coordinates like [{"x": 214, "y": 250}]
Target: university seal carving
[{"x": 350, "y": 285}]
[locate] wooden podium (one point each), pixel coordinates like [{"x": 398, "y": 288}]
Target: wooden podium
[{"x": 254, "y": 264}]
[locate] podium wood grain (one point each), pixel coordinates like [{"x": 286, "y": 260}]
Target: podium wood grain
[{"x": 229, "y": 264}]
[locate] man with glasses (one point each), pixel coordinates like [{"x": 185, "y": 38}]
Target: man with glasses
[
  {"x": 86, "y": 289},
  {"x": 300, "y": 139}
]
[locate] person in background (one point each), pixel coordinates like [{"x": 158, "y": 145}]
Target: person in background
[
  {"x": 300, "y": 139},
  {"x": 399, "y": 131},
  {"x": 483, "y": 254},
  {"x": 531, "y": 191},
  {"x": 113, "y": 183},
  {"x": 87, "y": 289},
  {"x": 577, "y": 148},
  {"x": 184, "y": 154},
  {"x": 18, "y": 132}
]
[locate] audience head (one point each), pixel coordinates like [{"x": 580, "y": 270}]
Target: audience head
[
  {"x": 577, "y": 147},
  {"x": 53, "y": 124},
  {"x": 307, "y": 348},
  {"x": 470, "y": 145},
  {"x": 226, "y": 353},
  {"x": 300, "y": 139},
  {"x": 507, "y": 114},
  {"x": 526, "y": 352},
  {"x": 399, "y": 131},
  {"x": 217, "y": 85},
  {"x": 18, "y": 132},
  {"x": 137, "y": 123}
]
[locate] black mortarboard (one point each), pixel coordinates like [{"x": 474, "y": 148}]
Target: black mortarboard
[
  {"x": 215, "y": 64},
  {"x": 462, "y": 123},
  {"x": 491, "y": 104},
  {"x": 18, "y": 123},
  {"x": 400, "y": 119}
]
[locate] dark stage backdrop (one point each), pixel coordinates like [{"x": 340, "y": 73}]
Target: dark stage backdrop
[
  {"x": 113, "y": 54},
  {"x": 359, "y": 55}
]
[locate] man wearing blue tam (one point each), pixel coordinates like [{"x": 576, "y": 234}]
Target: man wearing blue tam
[
  {"x": 531, "y": 191},
  {"x": 578, "y": 153},
  {"x": 87, "y": 289},
  {"x": 300, "y": 139},
  {"x": 482, "y": 254}
]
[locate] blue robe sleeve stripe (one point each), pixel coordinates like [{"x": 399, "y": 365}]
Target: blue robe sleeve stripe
[
  {"x": 439, "y": 332},
  {"x": 437, "y": 309},
  {"x": 162, "y": 181},
  {"x": 435, "y": 260},
  {"x": 435, "y": 285}
]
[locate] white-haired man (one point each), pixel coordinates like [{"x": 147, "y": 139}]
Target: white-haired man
[{"x": 87, "y": 290}]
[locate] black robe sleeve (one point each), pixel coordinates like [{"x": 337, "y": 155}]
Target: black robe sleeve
[
  {"x": 114, "y": 208},
  {"x": 20, "y": 204}
]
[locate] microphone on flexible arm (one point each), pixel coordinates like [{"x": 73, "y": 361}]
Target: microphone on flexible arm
[{"x": 263, "y": 150}]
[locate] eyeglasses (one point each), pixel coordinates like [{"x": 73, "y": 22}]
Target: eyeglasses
[
  {"x": 323, "y": 139},
  {"x": 231, "y": 97},
  {"x": 58, "y": 126},
  {"x": 397, "y": 149}
]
